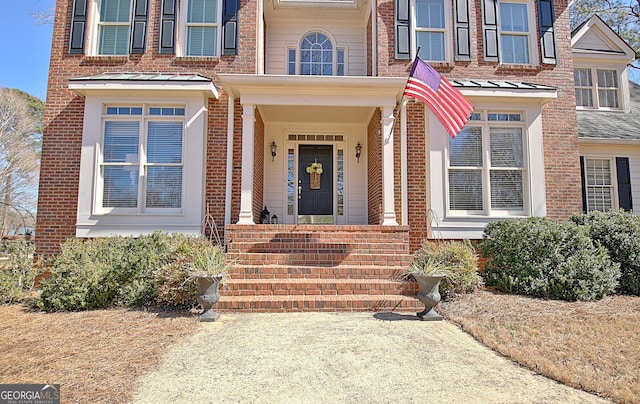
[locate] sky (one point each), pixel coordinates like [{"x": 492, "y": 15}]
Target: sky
[{"x": 24, "y": 46}]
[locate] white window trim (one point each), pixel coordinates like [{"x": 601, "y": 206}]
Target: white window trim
[
  {"x": 142, "y": 163},
  {"x": 335, "y": 48},
  {"x": 181, "y": 40},
  {"x": 615, "y": 202},
  {"x": 531, "y": 35},
  {"x": 448, "y": 33},
  {"x": 93, "y": 28},
  {"x": 623, "y": 88},
  {"x": 451, "y": 225},
  {"x": 92, "y": 222},
  {"x": 486, "y": 168}
]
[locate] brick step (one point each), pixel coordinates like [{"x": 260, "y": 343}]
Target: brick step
[
  {"x": 318, "y": 303},
  {"x": 320, "y": 259},
  {"x": 288, "y": 247},
  {"x": 274, "y": 287},
  {"x": 389, "y": 272}
]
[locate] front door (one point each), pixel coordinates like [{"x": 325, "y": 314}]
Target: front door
[{"x": 315, "y": 184}]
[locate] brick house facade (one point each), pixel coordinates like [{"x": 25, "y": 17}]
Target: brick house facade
[{"x": 159, "y": 111}]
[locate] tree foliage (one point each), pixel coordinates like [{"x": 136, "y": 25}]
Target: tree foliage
[{"x": 20, "y": 133}]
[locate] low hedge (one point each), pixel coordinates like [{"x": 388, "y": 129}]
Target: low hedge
[{"x": 544, "y": 258}]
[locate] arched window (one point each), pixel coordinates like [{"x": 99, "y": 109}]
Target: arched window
[{"x": 316, "y": 55}]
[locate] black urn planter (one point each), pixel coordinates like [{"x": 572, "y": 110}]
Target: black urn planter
[
  {"x": 208, "y": 295},
  {"x": 429, "y": 295}
]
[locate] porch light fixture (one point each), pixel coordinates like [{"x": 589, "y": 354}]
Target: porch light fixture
[
  {"x": 274, "y": 147},
  {"x": 274, "y": 219},
  {"x": 358, "y": 151}
]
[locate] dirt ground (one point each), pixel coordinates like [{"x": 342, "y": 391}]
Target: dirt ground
[{"x": 342, "y": 357}]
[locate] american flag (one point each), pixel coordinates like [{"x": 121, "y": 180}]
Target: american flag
[{"x": 446, "y": 102}]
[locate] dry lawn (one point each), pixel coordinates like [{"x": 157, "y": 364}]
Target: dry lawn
[
  {"x": 593, "y": 346},
  {"x": 96, "y": 356}
]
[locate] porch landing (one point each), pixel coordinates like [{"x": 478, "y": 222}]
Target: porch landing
[{"x": 282, "y": 268}]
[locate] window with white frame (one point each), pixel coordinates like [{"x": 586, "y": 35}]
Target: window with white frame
[
  {"x": 515, "y": 34},
  {"x": 601, "y": 93},
  {"x": 599, "y": 184},
  {"x": 486, "y": 166},
  {"x": 202, "y": 28},
  {"x": 431, "y": 30},
  {"x": 316, "y": 56},
  {"x": 114, "y": 25},
  {"x": 141, "y": 163}
]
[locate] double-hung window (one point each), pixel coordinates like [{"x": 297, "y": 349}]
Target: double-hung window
[
  {"x": 142, "y": 159},
  {"x": 606, "y": 183},
  {"x": 486, "y": 166},
  {"x": 601, "y": 93},
  {"x": 514, "y": 33},
  {"x": 114, "y": 27},
  {"x": 431, "y": 29},
  {"x": 202, "y": 28}
]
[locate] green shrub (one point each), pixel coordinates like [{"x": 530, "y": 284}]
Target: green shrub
[
  {"x": 544, "y": 258},
  {"x": 17, "y": 270},
  {"x": 457, "y": 259},
  {"x": 123, "y": 272},
  {"x": 619, "y": 232}
]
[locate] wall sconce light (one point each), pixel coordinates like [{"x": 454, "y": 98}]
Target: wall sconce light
[
  {"x": 358, "y": 151},
  {"x": 274, "y": 219},
  {"x": 274, "y": 147}
]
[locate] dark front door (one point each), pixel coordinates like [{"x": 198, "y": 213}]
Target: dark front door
[{"x": 315, "y": 199}]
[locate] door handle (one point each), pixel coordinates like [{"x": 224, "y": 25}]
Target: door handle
[{"x": 300, "y": 190}]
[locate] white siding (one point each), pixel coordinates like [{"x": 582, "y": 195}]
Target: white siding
[
  {"x": 279, "y": 37},
  {"x": 613, "y": 151}
]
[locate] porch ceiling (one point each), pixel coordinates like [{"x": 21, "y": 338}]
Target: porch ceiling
[{"x": 313, "y": 114}]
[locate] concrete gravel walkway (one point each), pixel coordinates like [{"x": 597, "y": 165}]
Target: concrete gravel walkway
[{"x": 342, "y": 357}]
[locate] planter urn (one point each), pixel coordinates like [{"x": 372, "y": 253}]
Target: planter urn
[
  {"x": 429, "y": 295},
  {"x": 208, "y": 296}
]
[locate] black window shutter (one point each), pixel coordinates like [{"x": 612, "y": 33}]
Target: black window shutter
[
  {"x": 230, "y": 27},
  {"x": 584, "y": 185},
  {"x": 168, "y": 27},
  {"x": 403, "y": 30},
  {"x": 490, "y": 30},
  {"x": 78, "y": 26},
  {"x": 547, "y": 34},
  {"x": 463, "y": 37},
  {"x": 624, "y": 183},
  {"x": 139, "y": 29}
]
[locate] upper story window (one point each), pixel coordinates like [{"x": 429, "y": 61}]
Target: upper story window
[
  {"x": 486, "y": 169},
  {"x": 515, "y": 35},
  {"x": 601, "y": 93},
  {"x": 431, "y": 30},
  {"x": 141, "y": 163},
  {"x": 202, "y": 28},
  {"x": 114, "y": 27},
  {"x": 316, "y": 56}
]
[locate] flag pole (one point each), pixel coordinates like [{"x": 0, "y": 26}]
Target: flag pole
[{"x": 402, "y": 100}]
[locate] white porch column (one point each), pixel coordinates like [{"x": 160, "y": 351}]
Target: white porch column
[
  {"x": 388, "y": 207},
  {"x": 246, "y": 192}
]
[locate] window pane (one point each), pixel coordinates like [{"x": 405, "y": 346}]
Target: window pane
[
  {"x": 584, "y": 97},
  {"x": 608, "y": 98},
  {"x": 114, "y": 40},
  {"x": 202, "y": 11},
  {"x": 164, "y": 187},
  {"x": 431, "y": 45},
  {"x": 120, "y": 187},
  {"x": 291, "y": 189},
  {"x": 340, "y": 182},
  {"x": 316, "y": 57},
  {"x": 115, "y": 10},
  {"x": 506, "y": 147},
  {"x": 121, "y": 142},
  {"x": 607, "y": 78},
  {"x": 164, "y": 142},
  {"x": 599, "y": 198},
  {"x": 465, "y": 150},
  {"x": 582, "y": 77},
  {"x": 430, "y": 13},
  {"x": 465, "y": 190},
  {"x": 506, "y": 190},
  {"x": 201, "y": 41},
  {"x": 513, "y": 17},
  {"x": 515, "y": 48},
  {"x": 598, "y": 172}
]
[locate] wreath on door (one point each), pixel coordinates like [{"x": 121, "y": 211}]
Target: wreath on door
[{"x": 314, "y": 170}]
